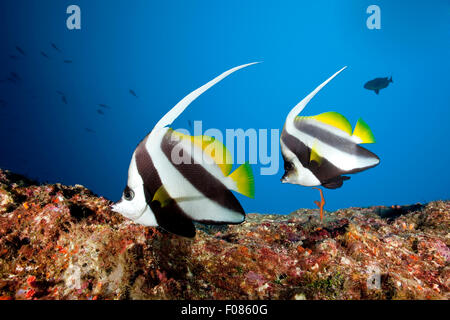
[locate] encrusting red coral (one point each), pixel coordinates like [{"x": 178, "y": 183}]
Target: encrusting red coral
[{"x": 60, "y": 242}]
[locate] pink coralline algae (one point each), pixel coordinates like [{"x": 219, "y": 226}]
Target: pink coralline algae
[{"x": 63, "y": 242}]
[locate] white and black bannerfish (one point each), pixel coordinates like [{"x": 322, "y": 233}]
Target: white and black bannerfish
[
  {"x": 172, "y": 193},
  {"x": 321, "y": 150}
]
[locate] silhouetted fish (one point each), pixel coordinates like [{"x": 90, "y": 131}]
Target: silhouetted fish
[
  {"x": 15, "y": 75},
  {"x": 60, "y": 92},
  {"x": 14, "y": 57},
  {"x": 133, "y": 93},
  {"x": 104, "y": 106},
  {"x": 55, "y": 47},
  {"x": 12, "y": 80},
  {"x": 100, "y": 112},
  {"x": 67, "y": 61},
  {"x": 20, "y": 50},
  {"x": 378, "y": 84},
  {"x": 64, "y": 99},
  {"x": 44, "y": 55},
  {"x": 89, "y": 130}
]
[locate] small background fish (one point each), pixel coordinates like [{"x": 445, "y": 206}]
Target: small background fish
[
  {"x": 133, "y": 93},
  {"x": 20, "y": 50},
  {"x": 377, "y": 84},
  {"x": 55, "y": 47}
]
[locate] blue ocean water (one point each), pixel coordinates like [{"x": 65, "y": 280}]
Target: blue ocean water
[{"x": 163, "y": 50}]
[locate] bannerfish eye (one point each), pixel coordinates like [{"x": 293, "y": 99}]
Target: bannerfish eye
[
  {"x": 287, "y": 165},
  {"x": 128, "y": 194}
]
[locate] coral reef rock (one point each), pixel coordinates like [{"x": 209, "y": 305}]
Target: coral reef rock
[{"x": 61, "y": 242}]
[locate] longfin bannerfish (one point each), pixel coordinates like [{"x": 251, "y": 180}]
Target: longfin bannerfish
[
  {"x": 322, "y": 149},
  {"x": 175, "y": 179}
]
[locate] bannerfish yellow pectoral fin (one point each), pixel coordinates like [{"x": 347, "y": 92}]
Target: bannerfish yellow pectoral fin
[
  {"x": 162, "y": 196},
  {"x": 363, "y": 132},
  {"x": 315, "y": 155},
  {"x": 217, "y": 151},
  {"x": 336, "y": 120},
  {"x": 243, "y": 177}
]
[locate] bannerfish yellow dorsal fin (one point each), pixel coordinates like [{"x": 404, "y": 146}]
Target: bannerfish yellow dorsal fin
[
  {"x": 162, "y": 196},
  {"x": 363, "y": 132},
  {"x": 243, "y": 177},
  {"x": 217, "y": 151},
  {"x": 213, "y": 148},
  {"x": 336, "y": 120},
  {"x": 314, "y": 156}
]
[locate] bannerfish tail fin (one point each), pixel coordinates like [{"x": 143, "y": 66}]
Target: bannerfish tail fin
[
  {"x": 377, "y": 91},
  {"x": 362, "y": 132},
  {"x": 245, "y": 183},
  {"x": 299, "y": 107},
  {"x": 186, "y": 101},
  {"x": 390, "y": 80}
]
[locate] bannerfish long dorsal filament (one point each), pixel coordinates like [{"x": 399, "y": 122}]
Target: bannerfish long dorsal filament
[{"x": 175, "y": 179}]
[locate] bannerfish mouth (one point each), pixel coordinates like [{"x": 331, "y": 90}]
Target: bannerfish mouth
[{"x": 114, "y": 205}]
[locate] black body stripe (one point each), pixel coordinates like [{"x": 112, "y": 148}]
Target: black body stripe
[
  {"x": 200, "y": 178},
  {"x": 171, "y": 218},
  {"x": 331, "y": 139},
  {"x": 328, "y": 174}
]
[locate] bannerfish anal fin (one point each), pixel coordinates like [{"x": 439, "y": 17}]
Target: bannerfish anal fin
[
  {"x": 171, "y": 221},
  {"x": 171, "y": 218},
  {"x": 335, "y": 183},
  {"x": 377, "y": 91}
]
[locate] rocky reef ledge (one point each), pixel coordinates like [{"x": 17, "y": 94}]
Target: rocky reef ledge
[{"x": 61, "y": 242}]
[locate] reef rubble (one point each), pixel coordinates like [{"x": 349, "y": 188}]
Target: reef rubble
[{"x": 63, "y": 242}]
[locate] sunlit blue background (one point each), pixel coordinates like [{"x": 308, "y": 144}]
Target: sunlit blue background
[{"x": 165, "y": 49}]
